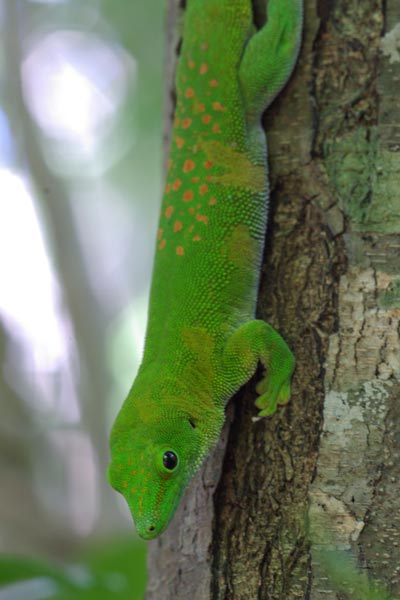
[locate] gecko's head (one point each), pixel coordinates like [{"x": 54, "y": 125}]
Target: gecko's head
[{"x": 151, "y": 467}]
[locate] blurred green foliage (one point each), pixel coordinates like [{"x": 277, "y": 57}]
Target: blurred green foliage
[{"x": 114, "y": 570}]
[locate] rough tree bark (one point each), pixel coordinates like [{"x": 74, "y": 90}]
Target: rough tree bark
[{"x": 324, "y": 472}]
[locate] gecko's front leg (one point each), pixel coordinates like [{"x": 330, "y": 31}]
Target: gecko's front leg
[{"x": 254, "y": 342}]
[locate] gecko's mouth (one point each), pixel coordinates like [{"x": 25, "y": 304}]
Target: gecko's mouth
[{"x": 155, "y": 522}]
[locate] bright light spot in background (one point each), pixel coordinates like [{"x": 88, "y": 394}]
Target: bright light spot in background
[
  {"x": 74, "y": 83},
  {"x": 26, "y": 283},
  {"x": 28, "y": 290},
  {"x": 75, "y": 108}
]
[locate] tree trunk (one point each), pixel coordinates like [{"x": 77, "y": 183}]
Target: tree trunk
[{"x": 262, "y": 517}]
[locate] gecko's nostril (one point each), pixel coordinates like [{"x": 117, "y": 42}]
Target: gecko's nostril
[{"x": 151, "y": 528}]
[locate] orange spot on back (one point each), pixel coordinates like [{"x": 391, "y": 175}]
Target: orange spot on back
[
  {"x": 161, "y": 245},
  {"x": 206, "y": 118},
  {"x": 189, "y": 93},
  {"x": 214, "y": 83},
  {"x": 191, "y": 64},
  {"x": 179, "y": 142},
  {"x": 177, "y": 226},
  {"x": 169, "y": 211},
  {"x": 159, "y": 233},
  {"x": 218, "y": 106},
  {"x": 188, "y": 196},
  {"x": 188, "y": 166},
  {"x": 202, "y": 219},
  {"x": 196, "y": 238},
  {"x": 180, "y": 251},
  {"x": 202, "y": 107},
  {"x": 186, "y": 123},
  {"x": 195, "y": 179},
  {"x": 191, "y": 210},
  {"x": 216, "y": 128},
  {"x": 168, "y": 188},
  {"x": 207, "y": 164},
  {"x": 203, "y": 69},
  {"x": 212, "y": 201},
  {"x": 203, "y": 189},
  {"x": 176, "y": 185}
]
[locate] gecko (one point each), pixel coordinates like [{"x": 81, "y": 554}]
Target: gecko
[{"x": 203, "y": 341}]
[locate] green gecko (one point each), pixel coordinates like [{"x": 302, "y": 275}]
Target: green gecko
[{"x": 203, "y": 341}]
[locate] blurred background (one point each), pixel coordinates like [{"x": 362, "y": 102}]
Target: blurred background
[{"x": 80, "y": 184}]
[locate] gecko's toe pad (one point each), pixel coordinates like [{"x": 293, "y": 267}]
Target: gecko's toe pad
[{"x": 272, "y": 393}]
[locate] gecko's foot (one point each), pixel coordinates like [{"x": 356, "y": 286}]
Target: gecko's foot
[
  {"x": 257, "y": 342},
  {"x": 272, "y": 393}
]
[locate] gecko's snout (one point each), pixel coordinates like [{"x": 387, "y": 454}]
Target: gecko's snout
[{"x": 148, "y": 532}]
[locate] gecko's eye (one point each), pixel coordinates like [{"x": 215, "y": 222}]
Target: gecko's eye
[{"x": 170, "y": 460}]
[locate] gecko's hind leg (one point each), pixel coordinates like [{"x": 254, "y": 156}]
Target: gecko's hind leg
[{"x": 270, "y": 55}]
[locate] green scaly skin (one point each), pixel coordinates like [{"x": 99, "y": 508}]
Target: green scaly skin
[{"x": 202, "y": 341}]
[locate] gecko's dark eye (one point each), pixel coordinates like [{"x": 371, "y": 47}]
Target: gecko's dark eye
[{"x": 170, "y": 460}]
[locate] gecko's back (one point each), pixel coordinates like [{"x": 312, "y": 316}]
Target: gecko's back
[{"x": 213, "y": 214}]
